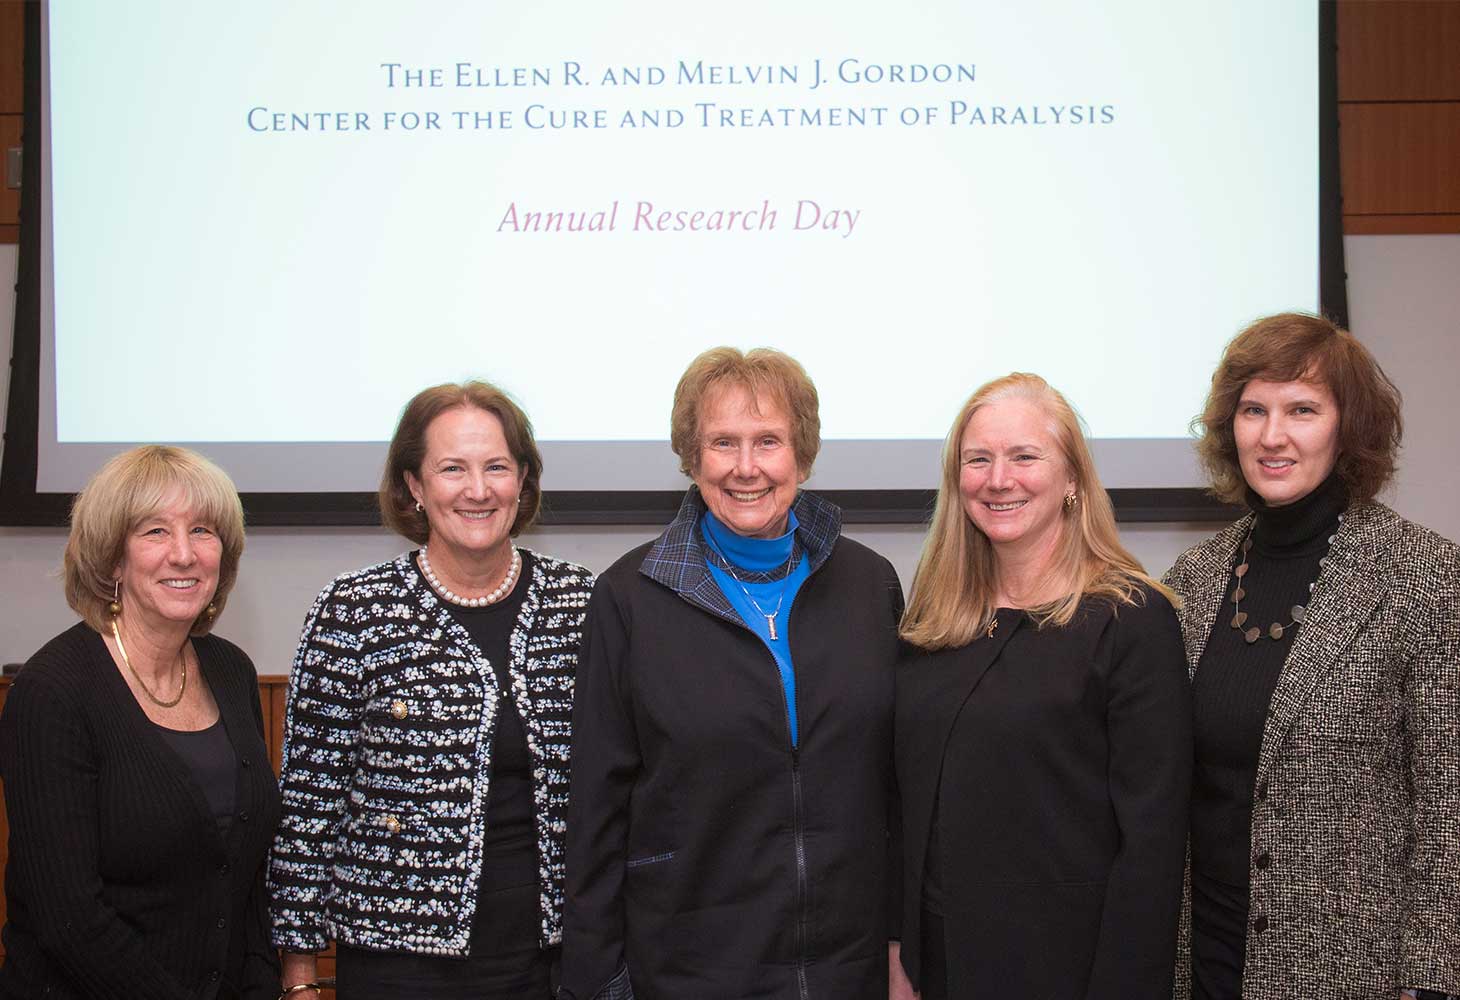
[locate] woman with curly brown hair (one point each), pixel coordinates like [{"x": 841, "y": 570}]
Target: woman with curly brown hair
[{"x": 1323, "y": 635}]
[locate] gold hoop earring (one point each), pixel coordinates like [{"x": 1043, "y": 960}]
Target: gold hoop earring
[{"x": 114, "y": 606}]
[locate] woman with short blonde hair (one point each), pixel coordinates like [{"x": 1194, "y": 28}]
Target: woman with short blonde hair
[
  {"x": 128, "y": 488},
  {"x": 137, "y": 784}
]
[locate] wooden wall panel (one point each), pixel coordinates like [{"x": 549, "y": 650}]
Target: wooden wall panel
[
  {"x": 12, "y": 57},
  {"x": 1400, "y": 159},
  {"x": 1399, "y": 115},
  {"x": 12, "y": 107},
  {"x": 1398, "y": 50},
  {"x": 278, "y": 690},
  {"x": 1382, "y": 225},
  {"x": 10, "y": 126}
]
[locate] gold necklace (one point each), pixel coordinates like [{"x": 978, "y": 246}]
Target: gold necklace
[{"x": 182, "y": 661}]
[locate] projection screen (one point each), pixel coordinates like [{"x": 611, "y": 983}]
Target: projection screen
[{"x": 266, "y": 225}]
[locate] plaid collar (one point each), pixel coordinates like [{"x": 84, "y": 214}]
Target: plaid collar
[{"x": 678, "y": 557}]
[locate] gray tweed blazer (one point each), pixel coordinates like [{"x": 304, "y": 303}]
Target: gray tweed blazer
[{"x": 1357, "y": 798}]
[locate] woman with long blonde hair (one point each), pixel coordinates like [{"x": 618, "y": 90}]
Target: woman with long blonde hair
[{"x": 1043, "y": 726}]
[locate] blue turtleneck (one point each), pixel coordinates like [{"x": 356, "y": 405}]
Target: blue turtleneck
[{"x": 760, "y": 556}]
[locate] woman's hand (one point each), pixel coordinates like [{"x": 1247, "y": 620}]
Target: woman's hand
[
  {"x": 297, "y": 969},
  {"x": 899, "y": 987}
]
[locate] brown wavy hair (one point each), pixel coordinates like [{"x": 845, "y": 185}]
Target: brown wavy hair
[
  {"x": 955, "y": 589},
  {"x": 763, "y": 372},
  {"x": 408, "y": 451},
  {"x": 1293, "y": 347}
]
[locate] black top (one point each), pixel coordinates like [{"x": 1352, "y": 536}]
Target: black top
[
  {"x": 509, "y": 853},
  {"x": 1235, "y": 679},
  {"x": 120, "y": 885},
  {"x": 210, "y": 757},
  {"x": 1059, "y": 761}
]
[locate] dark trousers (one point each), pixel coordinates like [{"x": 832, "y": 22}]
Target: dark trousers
[
  {"x": 935, "y": 959},
  {"x": 505, "y": 963},
  {"x": 1218, "y": 938}
]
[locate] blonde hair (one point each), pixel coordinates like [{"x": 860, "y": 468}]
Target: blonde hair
[
  {"x": 763, "y": 372},
  {"x": 955, "y": 589},
  {"x": 127, "y": 490}
]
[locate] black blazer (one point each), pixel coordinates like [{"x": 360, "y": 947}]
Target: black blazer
[
  {"x": 1059, "y": 760},
  {"x": 119, "y": 884}
]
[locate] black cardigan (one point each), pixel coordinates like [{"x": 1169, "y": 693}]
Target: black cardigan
[
  {"x": 120, "y": 884},
  {"x": 704, "y": 853},
  {"x": 1060, "y": 762}
]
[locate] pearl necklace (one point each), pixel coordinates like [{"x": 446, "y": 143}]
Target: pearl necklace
[{"x": 503, "y": 589}]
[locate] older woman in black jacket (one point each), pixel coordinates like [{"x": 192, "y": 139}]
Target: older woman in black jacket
[
  {"x": 137, "y": 784},
  {"x": 727, "y": 832}
]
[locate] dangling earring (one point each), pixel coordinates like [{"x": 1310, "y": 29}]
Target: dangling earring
[
  {"x": 211, "y": 611},
  {"x": 115, "y": 605},
  {"x": 1070, "y": 500}
]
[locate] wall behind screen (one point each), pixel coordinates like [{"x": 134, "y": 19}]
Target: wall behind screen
[
  {"x": 1403, "y": 300},
  {"x": 1403, "y": 294}
]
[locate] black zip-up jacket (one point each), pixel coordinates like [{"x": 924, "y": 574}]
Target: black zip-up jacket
[{"x": 707, "y": 857}]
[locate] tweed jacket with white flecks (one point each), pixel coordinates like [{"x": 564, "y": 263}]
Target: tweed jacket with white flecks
[
  {"x": 1360, "y": 766},
  {"x": 391, "y": 715}
]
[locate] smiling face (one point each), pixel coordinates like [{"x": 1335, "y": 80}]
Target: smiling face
[
  {"x": 747, "y": 467},
  {"x": 1013, "y": 478},
  {"x": 1287, "y": 438},
  {"x": 468, "y": 484},
  {"x": 169, "y": 568}
]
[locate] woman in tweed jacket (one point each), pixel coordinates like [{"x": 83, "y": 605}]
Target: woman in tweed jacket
[
  {"x": 1323, "y": 635},
  {"x": 425, "y": 772}
]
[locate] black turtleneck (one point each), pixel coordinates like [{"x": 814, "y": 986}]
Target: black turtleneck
[{"x": 1233, "y": 685}]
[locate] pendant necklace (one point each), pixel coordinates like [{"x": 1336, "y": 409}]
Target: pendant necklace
[
  {"x": 1297, "y": 612},
  {"x": 769, "y": 616}
]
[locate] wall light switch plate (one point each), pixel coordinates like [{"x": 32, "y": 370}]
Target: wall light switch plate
[{"x": 12, "y": 168}]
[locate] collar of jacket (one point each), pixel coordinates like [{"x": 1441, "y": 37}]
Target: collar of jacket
[
  {"x": 677, "y": 557},
  {"x": 1360, "y": 543}
]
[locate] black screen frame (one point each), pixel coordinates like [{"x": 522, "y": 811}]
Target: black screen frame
[{"x": 22, "y": 505}]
